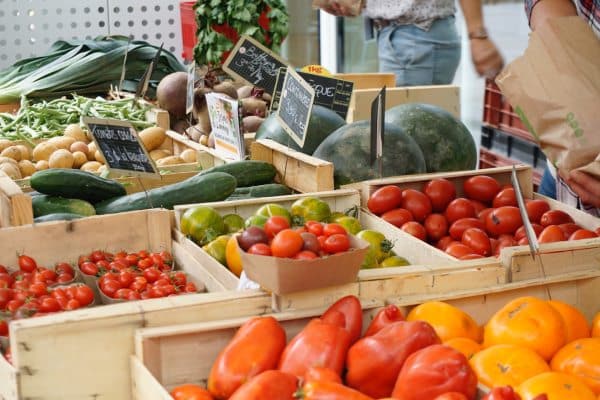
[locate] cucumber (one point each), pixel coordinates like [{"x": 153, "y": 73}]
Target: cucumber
[
  {"x": 247, "y": 172},
  {"x": 44, "y": 205},
  {"x": 200, "y": 188},
  {"x": 75, "y": 184},
  {"x": 265, "y": 190},
  {"x": 57, "y": 217}
]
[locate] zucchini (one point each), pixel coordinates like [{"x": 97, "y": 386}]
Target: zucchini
[
  {"x": 200, "y": 188},
  {"x": 57, "y": 217},
  {"x": 266, "y": 190},
  {"x": 44, "y": 205},
  {"x": 75, "y": 184},
  {"x": 247, "y": 172}
]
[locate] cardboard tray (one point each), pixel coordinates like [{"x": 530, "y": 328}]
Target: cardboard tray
[
  {"x": 73, "y": 337},
  {"x": 431, "y": 271},
  {"x": 555, "y": 258},
  {"x": 169, "y": 356}
]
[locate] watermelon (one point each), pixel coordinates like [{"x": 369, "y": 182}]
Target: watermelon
[
  {"x": 445, "y": 141},
  {"x": 349, "y": 149},
  {"x": 322, "y": 122}
]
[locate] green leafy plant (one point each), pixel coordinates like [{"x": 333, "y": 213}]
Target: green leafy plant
[{"x": 221, "y": 22}]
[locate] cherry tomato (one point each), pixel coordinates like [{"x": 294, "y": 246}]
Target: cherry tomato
[
  {"x": 72, "y": 304},
  {"x": 481, "y": 187},
  {"x": 459, "y": 226},
  {"x": 440, "y": 192},
  {"x": 143, "y": 263},
  {"x": 506, "y": 219},
  {"x": 261, "y": 249},
  {"x": 333, "y": 229},
  {"x": 110, "y": 286},
  {"x": 415, "y": 229},
  {"x": 536, "y": 208},
  {"x": 314, "y": 227},
  {"x": 97, "y": 255},
  {"x": 190, "y": 287},
  {"x": 417, "y": 203},
  {"x": 397, "y": 216},
  {"x": 26, "y": 263},
  {"x": 477, "y": 240},
  {"x": 286, "y": 243},
  {"x": 336, "y": 243},
  {"x": 126, "y": 278},
  {"x": 38, "y": 289},
  {"x": 458, "y": 250},
  {"x": 63, "y": 267},
  {"x": 139, "y": 284},
  {"x": 275, "y": 224},
  {"x": 151, "y": 274},
  {"x": 84, "y": 295},
  {"x": 384, "y": 199},
  {"x": 436, "y": 226},
  {"x": 505, "y": 197},
  {"x": 459, "y": 208},
  {"x": 49, "y": 304},
  {"x": 132, "y": 259},
  {"x": 555, "y": 217},
  {"x": 89, "y": 268},
  {"x": 583, "y": 234},
  {"x": 3, "y": 269},
  {"x": 306, "y": 255},
  {"x": 551, "y": 233}
]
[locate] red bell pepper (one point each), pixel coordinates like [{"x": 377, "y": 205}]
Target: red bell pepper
[
  {"x": 326, "y": 390},
  {"x": 350, "y": 307},
  {"x": 385, "y": 316},
  {"x": 272, "y": 384}
]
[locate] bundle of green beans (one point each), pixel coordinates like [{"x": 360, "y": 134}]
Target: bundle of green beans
[
  {"x": 45, "y": 119},
  {"x": 85, "y": 67}
]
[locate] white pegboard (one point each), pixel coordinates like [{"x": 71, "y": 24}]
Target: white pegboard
[{"x": 29, "y": 27}]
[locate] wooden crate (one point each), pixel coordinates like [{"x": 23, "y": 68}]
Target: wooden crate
[
  {"x": 170, "y": 356},
  {"x": 444, "y": 96},
  {"x": 431, "y": 271},
  {"x": 555, "y": 258},
  {"x": 15, "y": 206},
  {"x": 84, "y": 353},
  {"x": 369, "y": 80},
  {"x": 297, "y": 170}
]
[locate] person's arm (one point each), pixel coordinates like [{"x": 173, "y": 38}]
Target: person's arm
[
  {"x": 486, "y": 58},
  {"x": 540, "y": 10},
  {"x": 586, "y": 186}
]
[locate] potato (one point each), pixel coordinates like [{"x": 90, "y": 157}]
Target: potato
[
  {"x": 92, "y": 151},
  {"x": 99, "y": 157},
  {"x": 79, "y": 146},
  {"x": 157, "y": 154},
  {"x": 171, "y": 160},
  {"x": 12, "y": 152},
  {"x": 101, "y": 169},
  {"x": 4, "y": 143},
  {"x": 43, "y": 150},
  {"x": 74, "y": 131},
  {"x": 61, "y": 158},
  {"x": 12, "y": 171},
  {"x": 152, "y": 137},
  {"x": 41, "y": 165},
  {"x": 62, "y": 142},
  {"x": 251, "y": 123},
  {"x": 26, "y": 167},
  {"x": 79, "y": 158},
  {"x": 25, "y": 151},
  {"x": 90, "y": 166},
  {"x": 8, "y": 160},
  {"x": 203, "y": 140},
  {"x": 188, "y": 156}
]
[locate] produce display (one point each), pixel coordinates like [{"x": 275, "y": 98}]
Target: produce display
[
  {"x": 410, "y": 356},
  {"x": 479, "y": 224}
]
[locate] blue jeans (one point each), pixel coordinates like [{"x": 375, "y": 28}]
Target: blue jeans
[
  {"x": 420, "y": 57},
  {"x": 547, "y": 185}
]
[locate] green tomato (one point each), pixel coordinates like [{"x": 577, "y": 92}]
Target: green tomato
[
  {"x": 394, "y": 261},
  {"x": 370, "y": 260},
  {"x": 233, "y": 223},
  {"x": 310, "y": 209},
  {"x": 268, "y": 210},
  {"x": 216, "y": 248},
  {"x": 203, "y": 224},
  {"x": 377, "y": 242},
  {"x": 256, "y": 220},
  {"x": 351, "y": 224}
]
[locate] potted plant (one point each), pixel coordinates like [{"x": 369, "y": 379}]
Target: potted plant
[{"x": 220, "y": 23}]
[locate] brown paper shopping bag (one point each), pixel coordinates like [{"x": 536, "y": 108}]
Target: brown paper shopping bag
[{"x": 554, "y": 87}]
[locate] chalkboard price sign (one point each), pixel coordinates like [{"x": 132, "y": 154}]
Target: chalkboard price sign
[
  {"x": 120, "y": 145},
  {"x": 254, "y": 63},
  {"x": 295, "y": 106}
]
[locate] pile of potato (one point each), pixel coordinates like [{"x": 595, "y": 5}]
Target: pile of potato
[{"x": 75, "y": 149}]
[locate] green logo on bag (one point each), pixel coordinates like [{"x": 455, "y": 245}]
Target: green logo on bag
[
  {"x": 572, "y": 122},
  {"x": 526, "y": 122}
]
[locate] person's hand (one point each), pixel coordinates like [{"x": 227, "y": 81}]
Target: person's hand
[
  {"x": 487, "y": 60},
  {"x": 586, "y": 186},
  {"x": 335, "y": 8}
]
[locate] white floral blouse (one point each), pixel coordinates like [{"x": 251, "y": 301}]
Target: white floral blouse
[{"x": 418, "y": 12}]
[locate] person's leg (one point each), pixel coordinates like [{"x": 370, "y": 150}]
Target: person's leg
[{"x": 419, "y": 57}]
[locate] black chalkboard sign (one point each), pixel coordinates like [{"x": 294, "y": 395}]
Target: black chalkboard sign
[
  {"x": 295, "y": 106},
  {"x": 121, "y": 148},
  {"x": 330, "y": 93},
  {"x": 254, "y": 63}
]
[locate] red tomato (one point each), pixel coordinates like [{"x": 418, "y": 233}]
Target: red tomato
[
  {"x": 417, "y": 203},
  {"x": 441, "y": 192},
  {"x": 97, "y": 255},
  {"x": 139, "y": 284},
  {"x": 122, "y": 293},
  {"x": 306, "y": 255},
  {"x": 482, "y": 215},
  {"x": 321, "y": 374},
  {"x": 520, "y": 233},
  {"x": 26, "y": 263},
  {"x": 443, "y": 243},
  {"x": 502, "y": 393},
  {"x": 459, "y": 208},
  {"x": 190, "y": 392},
  {"x": 384, "y": 317},
  {"x": 261, "y": 249},
  {"x": 333, "y": 229},
  {"x": 481, "y": 187},
  {"x": 458, "y": 250},
  {"x": 536, "y": 208},
  {"x": 459, "y": 226},
  {"x": 569, "y": 228},
  {"x": 286, "y": 243},
  {"x": 436, "y": 226},
  {"x": 3, "y": 327},
  {"x": 109, "y": 287},
  {"x": 256, "y": 347},
  {"x": 471, "y": 256},
  {"x": 3, "y": 269},
  {"x": 190, "y": 287},
  {"x": 49, "y": 304},
  {"x": 314, "y": 227},
  {"x": 328, "y": 390},
  {"x": 555, "y": 217},
  {"x": 505, "y": 219},
  {"x": 38, "y": 289},
  {"x": 151, "y": 274},
  {"x": 384, "y": 199},
  {"x": 505, "y": 197},
  {"x": 416, "y": 229},
  {"x": 63, "y": 267},
  {"x": 64, "y": 278},
  {"x": 275, "y": 224},
  {"x": 84, "y": 295},
  {"x": 524, "y": 241},
  {"x": 142, "y": 264},
  {"x": 72, "y": 304},
  {"x": 551, "y": 233},
  {"x": 477, "y": 240},
  {"x": 336, "y": 243},
  {"x": 397, "y": 216},
  {"x": 583, "y": 234},
  {"x": 435, "y": 370},
  {"x": 478, "y": 206},
  {"x": 451, "y": 396},
  {"x": 271, "y": 384},
  {"x": 132, "y": 259}
]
